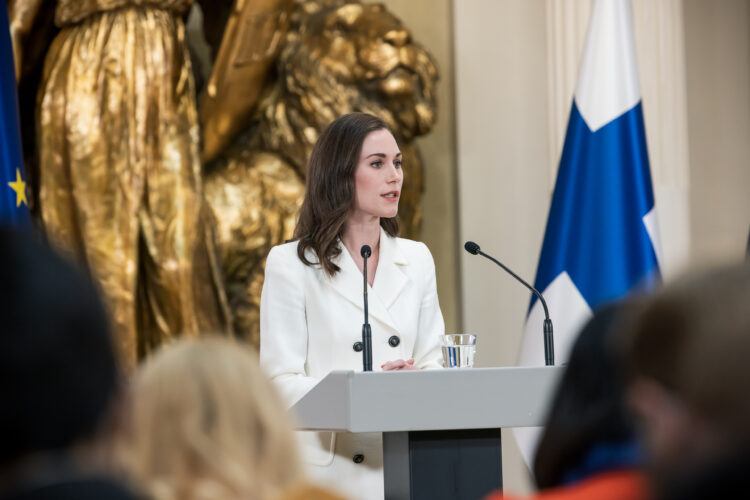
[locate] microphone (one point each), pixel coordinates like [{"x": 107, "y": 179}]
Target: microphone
[
  {"x": 549, "y": 346},
  {"x": 365, "y": 252}
]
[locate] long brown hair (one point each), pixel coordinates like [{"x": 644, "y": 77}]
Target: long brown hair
[{"x": 329, "y": 195}]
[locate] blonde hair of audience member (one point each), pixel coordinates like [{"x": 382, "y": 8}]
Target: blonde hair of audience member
[{"x": 207, "y": 423}]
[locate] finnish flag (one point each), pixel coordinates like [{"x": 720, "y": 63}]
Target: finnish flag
[{"x": 601, "y": 241}]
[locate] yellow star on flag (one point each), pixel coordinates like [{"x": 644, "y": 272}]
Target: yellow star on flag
[{"x": 20, "y": 188}]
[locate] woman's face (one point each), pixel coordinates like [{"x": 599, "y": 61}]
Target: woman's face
[{"x": 378, "y": 176}]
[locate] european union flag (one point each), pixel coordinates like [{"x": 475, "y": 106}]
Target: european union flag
[
  {"x": 14, "y": 205},
  {"x": 601, "y": 241}
]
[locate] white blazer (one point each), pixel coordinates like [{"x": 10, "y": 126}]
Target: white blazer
[{"x": 309, "y": 323}]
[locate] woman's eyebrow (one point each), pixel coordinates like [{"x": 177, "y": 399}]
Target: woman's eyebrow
[{"x": 382, "y": 155}]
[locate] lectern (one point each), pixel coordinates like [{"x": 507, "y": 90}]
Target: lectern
[{"x": 444, "y": 442}]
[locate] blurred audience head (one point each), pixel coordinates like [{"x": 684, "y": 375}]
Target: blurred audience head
[
  {"x": 688, "y": 357},
  {"x": 207, "y": 423},
  {"x": 58, "y": 373},
  {"x": 589, "y": 429}
]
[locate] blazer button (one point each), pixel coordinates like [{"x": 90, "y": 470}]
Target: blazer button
[
  {"x": 358, "y": 346},
  {"x": 358, "y": 458},
  {"x": 394, "y": 341}
]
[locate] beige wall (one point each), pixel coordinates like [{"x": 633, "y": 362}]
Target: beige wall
[{"x": 717, "y": 49}]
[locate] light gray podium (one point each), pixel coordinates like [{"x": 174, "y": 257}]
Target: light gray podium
[{"x": 444, "y": 442}]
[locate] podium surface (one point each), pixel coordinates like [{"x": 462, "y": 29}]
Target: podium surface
[
  {"x": 444, "y": 442},
  {"x": 451, "y": 398}
]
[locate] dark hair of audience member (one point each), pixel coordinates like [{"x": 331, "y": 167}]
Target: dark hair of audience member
[
  {"x": 724, "y": 477},
  {"x": 58, "y": 372},
  {"x": 687, "y": 363},
  {"x": 589, "y": 407},
  {"x": 694, "y": 339}
]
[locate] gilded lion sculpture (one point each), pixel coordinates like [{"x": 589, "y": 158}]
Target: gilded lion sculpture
[{"x": 337, "y": 57}]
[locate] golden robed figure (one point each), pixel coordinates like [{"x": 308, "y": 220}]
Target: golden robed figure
[{"x": 119, "y": 171}]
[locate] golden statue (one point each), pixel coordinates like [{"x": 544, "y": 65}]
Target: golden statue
[
  {"x": 120, "y": 182},
  {"x": 337, "y": 57}
]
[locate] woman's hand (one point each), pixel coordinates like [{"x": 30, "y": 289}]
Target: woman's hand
[{"x": 399, "y": 364}]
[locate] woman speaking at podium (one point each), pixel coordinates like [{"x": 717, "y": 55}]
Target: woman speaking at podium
[{"x": 312, "y": 309}]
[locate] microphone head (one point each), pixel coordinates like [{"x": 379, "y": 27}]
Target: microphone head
[
  {"x": 471, "y": 247},
  {"x": 365, "y": 251}
]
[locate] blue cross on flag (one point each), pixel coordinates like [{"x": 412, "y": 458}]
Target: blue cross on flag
[{"x": 601, "y": 241}]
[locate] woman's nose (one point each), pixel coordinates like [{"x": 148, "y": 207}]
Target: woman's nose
[{"x": 394, "y": 174}]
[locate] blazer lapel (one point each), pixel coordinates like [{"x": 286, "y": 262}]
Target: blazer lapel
[
  {"x": 389, "y": 280},
  {"x": 348, "y": 281}
]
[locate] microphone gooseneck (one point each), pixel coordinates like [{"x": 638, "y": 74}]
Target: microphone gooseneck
[
  {"x": 549, "y": 346},
  {"x": 365, "y": 252}
]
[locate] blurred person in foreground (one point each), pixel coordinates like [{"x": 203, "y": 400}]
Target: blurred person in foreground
[
  {"x": 688, "y": 358},
  {"x": 206, "y": 423},
  {"x": 588, "y": 449},
  {"x": 58, "y": 378}
]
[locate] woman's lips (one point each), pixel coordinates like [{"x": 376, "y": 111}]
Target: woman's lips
[{"x": 390, "y": 196}]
